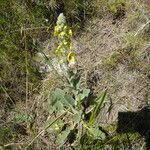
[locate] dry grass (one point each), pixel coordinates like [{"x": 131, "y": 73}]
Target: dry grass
[{"x": 106, "y": 61}]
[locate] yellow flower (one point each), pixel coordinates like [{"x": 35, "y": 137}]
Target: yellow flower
[
  {"x": 65, "y": 43},
  {"x": 61, "y": 61},
  {"x": 70, "y": 32},
  {"x": 71, "y": 57},
  {"x": 62, "y": 34},
  {"x": 70, "y": 45},
  {"x": 65, "y": 27},
  {"x": 56, "y": 127},
  {"x": 58, "y": 51}
]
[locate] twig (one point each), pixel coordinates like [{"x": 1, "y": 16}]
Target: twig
[{"x": 9, "y": 144}]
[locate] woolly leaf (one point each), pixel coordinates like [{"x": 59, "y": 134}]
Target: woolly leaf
[
  {"x": 96, "y": 133},
  {"x": 84, "y": 94},
  {"x": 77, "y": 117},
  {"x": 62, "y": 137}
]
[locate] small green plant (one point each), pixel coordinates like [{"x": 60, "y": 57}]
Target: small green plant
[
  {"x": 110, "y": 62},
  {"x": 73, "y": 120},
  {"x": 117, "y": 7},
  {"x": 71, "y": 99}
]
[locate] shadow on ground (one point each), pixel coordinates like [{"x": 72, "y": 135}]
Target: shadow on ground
[{"x": 130, "y": 122}]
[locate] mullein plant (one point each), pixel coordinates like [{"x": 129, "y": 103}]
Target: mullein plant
[{"x": 67, "y": 104}]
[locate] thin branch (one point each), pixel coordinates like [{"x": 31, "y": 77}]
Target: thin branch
[{"x": 9, "y": 144}]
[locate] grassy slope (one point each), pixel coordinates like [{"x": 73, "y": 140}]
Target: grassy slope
[{"x": 112, "y": 58}]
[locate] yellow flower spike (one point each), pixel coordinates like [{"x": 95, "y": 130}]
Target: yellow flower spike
[
  {"x": 70, "y": 32},
  {"x": 56, "y": 31},
  {"x": 71, "y": 57}
]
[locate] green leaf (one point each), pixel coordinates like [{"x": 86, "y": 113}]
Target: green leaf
[
  {"x": 77, "y": 117},
  {"x": 69, "y": 99},
  {"x": 57, "y": 126},
  {"x": 49, "y": 108},
  {"x": 22, "y": 117},
  {"x": 96, "y": 133},
  {"x": 84, "y": 94},
  {"x": 62, "y": 137},
  {"x": 56, "y": 95},
  {"x": 58, "y": 106},
  {"x": 60, "y": 96},
  {"x": 99, "y": 102},
  {"x": 75, "y": 81}
]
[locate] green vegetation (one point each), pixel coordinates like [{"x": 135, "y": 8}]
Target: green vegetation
[{"x": 117, "y": 7}]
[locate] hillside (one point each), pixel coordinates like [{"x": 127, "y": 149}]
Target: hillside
[{"x": 111, "y": 46}]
